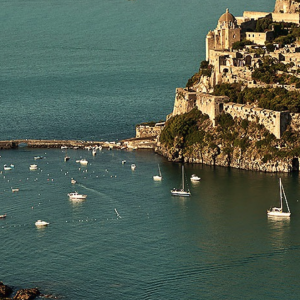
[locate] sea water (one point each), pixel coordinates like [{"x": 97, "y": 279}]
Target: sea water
[{"x": 92, "y": 70}]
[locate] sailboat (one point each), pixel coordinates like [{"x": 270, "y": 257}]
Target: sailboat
[
  {"x": 278, "y": 211},
  {"x": 181, "y": 192},
  {"x": 158, "y": 177}
]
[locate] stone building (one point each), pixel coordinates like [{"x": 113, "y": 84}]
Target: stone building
[{"x": 226, "y": 33}]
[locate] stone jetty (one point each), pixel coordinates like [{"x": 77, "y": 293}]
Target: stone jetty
[{"x": 133, "y": 143}]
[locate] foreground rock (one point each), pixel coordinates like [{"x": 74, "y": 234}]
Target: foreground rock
[
  {"x": 5, "y": 290},
  {"x": 27, "y": 294}
]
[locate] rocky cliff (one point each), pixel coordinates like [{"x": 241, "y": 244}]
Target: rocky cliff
[{"x": 233, "y": 143}]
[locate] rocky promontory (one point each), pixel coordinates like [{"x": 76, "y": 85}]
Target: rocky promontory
[{"x": 236, "y": 143}]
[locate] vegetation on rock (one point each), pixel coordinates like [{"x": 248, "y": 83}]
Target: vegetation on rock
[
  {"x": 192, "y": 135},
  {"x": 204, "y": 70},
  {"x": 277, "y": 99}
]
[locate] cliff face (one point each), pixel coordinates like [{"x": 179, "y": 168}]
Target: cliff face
[
  {"x": 237, "y": 159},
  {"x": 236, "y": 143}
]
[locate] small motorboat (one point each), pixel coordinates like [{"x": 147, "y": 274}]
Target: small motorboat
[
  {"x": 73, "y": 181},
  {"x": 94, "y": 152},
  {"x": 133, "y": 167},
  {"x": 41, "y": 223},
  {"x": 76, "y": 196},
  {"x": 38, "y": 157},
  {"x": 83, "y": 162},
  {"x": 3, "y": 216},
  {"x": 7, "y": 168},
  {"x": 33, "y": 167},
  {"x": 123, "y": 162},
  {"x": 67, "y": 158},
  {"x": 14, "y": 190},
  {"x": 194, "y": 177}
]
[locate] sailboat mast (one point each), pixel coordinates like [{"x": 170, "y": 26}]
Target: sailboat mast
[
  {"x": 280, "y": 193},
  {"x": 182, "y": 177}
]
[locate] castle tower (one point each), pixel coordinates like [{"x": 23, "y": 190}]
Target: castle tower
[{"x": 226, "y": 33}]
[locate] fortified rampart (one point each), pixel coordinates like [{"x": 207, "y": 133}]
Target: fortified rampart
[
  {"x": 276, "y": 122},
  {"x": 143, "y": 131}
]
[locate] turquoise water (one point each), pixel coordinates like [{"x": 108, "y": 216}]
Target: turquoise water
[{"x": 92, "y": 70}]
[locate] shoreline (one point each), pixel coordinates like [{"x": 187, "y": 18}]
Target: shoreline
[{"x": 131, "y": 143}]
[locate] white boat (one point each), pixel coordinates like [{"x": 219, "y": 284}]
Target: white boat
[
  {"x": 123, "y": 162},
  {"x": 133, "y": 167},
  {"x": 83, "y": 162},
  {"x": 7, "y": 168},
  {"x": 14, "y": 190},
  {"x": 94, "y": 152},
  {"x": 66, "y": 158},
  {"x": 181, "y": 192},
  {"x": 33, "y": 167},
  {"x": 76, "y": 196},
  {"x": 41, "y": 223},
  {"x": 278, "y": 211},
  {"x": 3, "y": 216},
  {"x": 73, "y": 181},
  {"x": 194, "y": 177},
  {"x": 158, "y": 177},
  {"x": 38, "y": 157}
]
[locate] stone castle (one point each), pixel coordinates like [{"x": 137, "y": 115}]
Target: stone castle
[{"x": 231, "y": 66}]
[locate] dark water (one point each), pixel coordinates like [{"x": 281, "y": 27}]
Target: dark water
[{"x": 92, "y": 70}]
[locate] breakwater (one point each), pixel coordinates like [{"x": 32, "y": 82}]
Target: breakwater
[{"x": 133, "y": 143}]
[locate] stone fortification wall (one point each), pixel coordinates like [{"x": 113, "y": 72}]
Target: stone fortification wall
[
  {"x": 184, "y": 101},
  {"x": 210, "y": 105},
  {"x": 275, "y": 121},
  {"x": 290, "y": 18},
  {"x": 142, "y": 131},
  {"x": 255, "y": 14}
]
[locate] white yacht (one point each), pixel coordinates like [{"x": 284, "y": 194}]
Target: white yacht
[
  {"x": 76, "y": 196},
  {"x": 41, "y": 223}
]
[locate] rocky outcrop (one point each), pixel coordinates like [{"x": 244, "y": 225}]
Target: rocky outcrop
[
  {"x": 5, "y": 290},
  {"x": 27, "y": 294},
  {"x": 236, "y": 159}
]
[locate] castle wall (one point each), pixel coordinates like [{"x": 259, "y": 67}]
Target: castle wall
[
  {"x": 184, "y": 101},
  {"x": 290, "y": 18},
  {"x": 275, "y": 121},
  {"x": 142, "y": 131},
  {"x": 255, "y": 15},
  {"x": 210, "y": 105}
]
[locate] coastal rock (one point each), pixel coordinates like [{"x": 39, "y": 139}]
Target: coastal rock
[
  {"x": 5, "y": 290},
  {"x": 27, "y": 294}
]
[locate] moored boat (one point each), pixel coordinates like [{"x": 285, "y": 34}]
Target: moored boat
[
  {"x": 76, "y": 196},
  {"x": 83, "y": 162},
  {"x": 41, "y": 223},
  {"x": 278, "y": 211},
  {"x": 181, "y": 192},
  {"x": 194, "y": 177},
  {"x": 133, "y": 167},
  {"x": 158, "y": 177},
  {"x": 33, "y": 167}
]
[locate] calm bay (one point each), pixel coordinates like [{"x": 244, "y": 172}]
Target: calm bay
[{"x": 92, "y": 70}]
